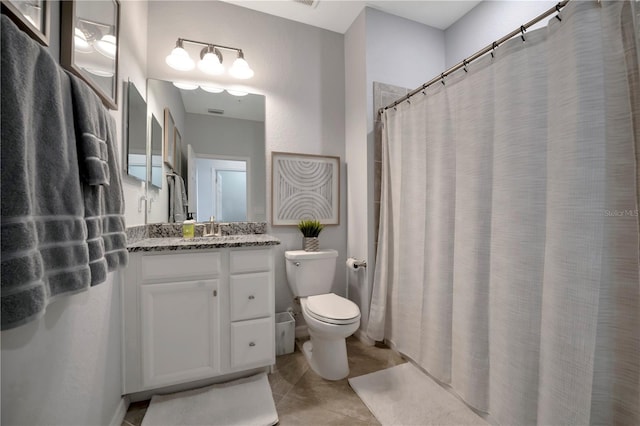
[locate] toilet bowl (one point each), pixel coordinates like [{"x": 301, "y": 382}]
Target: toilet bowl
[
  {"x": 330, "y": 318},
  {"x": 326, "y": 352}
]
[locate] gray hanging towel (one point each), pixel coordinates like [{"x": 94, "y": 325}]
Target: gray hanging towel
[
  {"x": 101, "y": 188},
  {"x": 43, "y": 234},
  {"x": 178, "y": 204}
]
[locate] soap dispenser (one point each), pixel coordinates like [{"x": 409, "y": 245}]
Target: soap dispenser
[{"x": 188, "y": 227}]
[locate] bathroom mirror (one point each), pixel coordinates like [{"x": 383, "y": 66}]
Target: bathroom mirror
[
  {"x": 155, "y": 178},
  {"x": 225, "y": 131},
  {"x": 136, "y": 158}
]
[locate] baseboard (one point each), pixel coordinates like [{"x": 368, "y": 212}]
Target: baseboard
[{"x": 121, "y": 411}]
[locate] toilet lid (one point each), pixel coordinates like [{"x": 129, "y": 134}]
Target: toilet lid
[{"x": 332, "y": 308}]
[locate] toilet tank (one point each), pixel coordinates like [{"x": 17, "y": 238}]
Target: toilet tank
[{"x": 310, "y": 272}]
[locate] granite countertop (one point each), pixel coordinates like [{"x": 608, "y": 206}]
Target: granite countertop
[{"x": 179, "y": 243}]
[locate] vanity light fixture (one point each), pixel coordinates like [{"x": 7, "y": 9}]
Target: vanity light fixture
[
  {"x": 210, "y": 60},
  {"x": 179, "y": 58},
  {"x": 240, "y": 68}
]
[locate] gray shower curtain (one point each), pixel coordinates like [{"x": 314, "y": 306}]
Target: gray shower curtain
[{"x": 509, "y": 239}]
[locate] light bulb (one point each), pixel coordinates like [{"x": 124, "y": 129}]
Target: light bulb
[
  {"x": 185, "y": 86},
  {"x": 80, "y": 42},
  {"x": 210, "y": 64},
  {"x": 240, "y": 68},
  {"x": 107, "y": 46},
  {"x": 179, "y": 59}
]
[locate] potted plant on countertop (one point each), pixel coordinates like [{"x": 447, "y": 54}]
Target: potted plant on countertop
[{"x": 310, "y": 229}]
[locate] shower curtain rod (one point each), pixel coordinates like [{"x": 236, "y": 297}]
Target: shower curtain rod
[{"x": 489, "y": 48}]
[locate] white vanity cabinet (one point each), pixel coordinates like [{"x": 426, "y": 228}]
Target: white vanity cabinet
[{"x": 190, "y": 315}]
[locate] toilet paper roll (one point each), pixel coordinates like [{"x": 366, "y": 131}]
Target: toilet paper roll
[{"x": 352, "y": 264}]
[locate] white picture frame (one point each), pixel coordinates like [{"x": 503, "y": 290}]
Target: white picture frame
[{"x": 304, "y": 186}]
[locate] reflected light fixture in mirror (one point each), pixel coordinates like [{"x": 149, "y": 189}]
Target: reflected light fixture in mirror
[
  {"x": 185, "y": 86},
  {"x": 91, "y": 37},
  {"x": 237, "y": 93},
  {"x": 107, "y": 46},
  {"x": 212, "y": 89},
  {"x": 210, "y": 59}
]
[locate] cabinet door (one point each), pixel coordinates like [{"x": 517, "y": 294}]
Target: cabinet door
[{"x": 180, "y": 329}]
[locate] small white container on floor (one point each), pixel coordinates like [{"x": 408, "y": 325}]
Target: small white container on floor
[{"x": 285, "y": 333}]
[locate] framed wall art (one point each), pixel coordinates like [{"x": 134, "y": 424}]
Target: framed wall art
[
  {"x": 30, "y": 16},
  {"x": 89, "y": 44},
  {"x": 305, "y": 187},
  {"x": 169, "y": 139}
]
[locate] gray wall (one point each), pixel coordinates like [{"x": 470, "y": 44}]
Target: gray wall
[
  {"x": 65, "y": 368},
  {"x": 392, "y": 50},
  {"x": 487, "y": 22}
]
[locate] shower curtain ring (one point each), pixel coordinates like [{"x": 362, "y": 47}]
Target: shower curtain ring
[
  {"x": 558, "y": 10},
  {"x": 464, "y": 65},
  {"x": 522, "y": 31},
  {"x": 493, "y": 48},
  {"x": 442, "y": 78}
]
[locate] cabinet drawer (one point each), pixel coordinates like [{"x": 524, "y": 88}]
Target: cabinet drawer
[
  {"x": 250, "y": 296},
  {"x": 252, "y": 343},
  {"x": 180, "y": 266},
  {"x": 250, "y": 261}
]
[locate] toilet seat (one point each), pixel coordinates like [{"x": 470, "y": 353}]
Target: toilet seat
[{"x": 332, "y": 309}]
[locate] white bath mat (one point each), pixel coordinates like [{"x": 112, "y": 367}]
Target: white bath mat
[
  {"x": 243, "y": 402},
  {"x": 404, "y": 395}
]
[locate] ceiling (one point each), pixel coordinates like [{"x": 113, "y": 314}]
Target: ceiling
[
  {"x": 338, "y": 15},
  {"x": 249, "y": 107}
]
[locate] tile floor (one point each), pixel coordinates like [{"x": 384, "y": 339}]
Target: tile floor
[{"x": 304, "y": 398}]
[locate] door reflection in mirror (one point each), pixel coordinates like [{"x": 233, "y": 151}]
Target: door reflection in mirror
[{"x": 222, "y": 189}]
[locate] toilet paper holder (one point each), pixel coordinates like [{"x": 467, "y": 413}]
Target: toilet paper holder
[{"x": 354, "y": 264}]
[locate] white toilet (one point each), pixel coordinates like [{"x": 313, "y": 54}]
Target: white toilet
[{"x": 330, "y": 318}]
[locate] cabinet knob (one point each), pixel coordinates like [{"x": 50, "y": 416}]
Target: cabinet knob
[
  {"x": 297, "y": 263},
  {"x": 251, "y": 297},
  {"x": 252, "y": 344}
]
